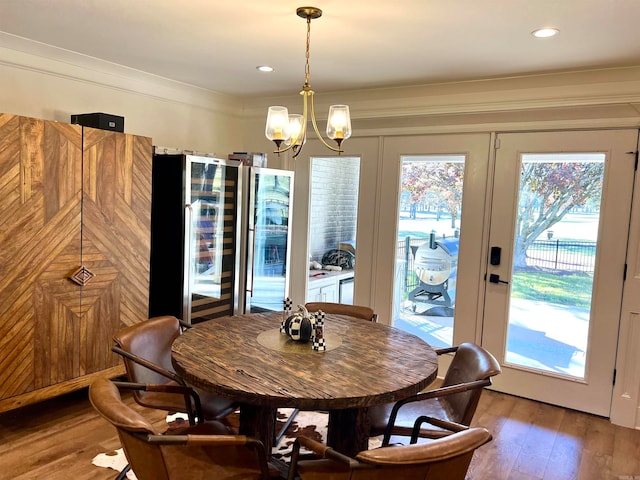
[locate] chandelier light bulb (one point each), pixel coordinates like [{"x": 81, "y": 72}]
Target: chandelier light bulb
[
  {"x": 339, "y": 123},
  {"x": 295, "y": 133},
  {"x": 277, "y": 124}
]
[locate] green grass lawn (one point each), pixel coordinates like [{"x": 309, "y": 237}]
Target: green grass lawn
[{"x": 562, "y": 289}]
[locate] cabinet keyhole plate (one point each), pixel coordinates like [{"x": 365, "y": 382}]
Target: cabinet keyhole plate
[{"x": 82, "y": 276}]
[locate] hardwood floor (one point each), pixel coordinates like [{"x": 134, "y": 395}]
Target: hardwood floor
[
  {"x": 534, "y": 440},
  {"x": 57, "y": 440}
]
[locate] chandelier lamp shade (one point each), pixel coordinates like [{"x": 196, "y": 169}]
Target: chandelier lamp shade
[{"x": 289, "y": 131}]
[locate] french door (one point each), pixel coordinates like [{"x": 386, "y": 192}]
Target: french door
[
  {"x": 433, "y": 190},
  {"x": 555, "y": 265},
  {"x": 540, "y": 232}
]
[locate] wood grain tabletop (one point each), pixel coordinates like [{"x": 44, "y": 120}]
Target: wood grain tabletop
[{"x": 237, "y": 357}]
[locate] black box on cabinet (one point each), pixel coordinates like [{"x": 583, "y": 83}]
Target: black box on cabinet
[{"x": 103, "y": 121}]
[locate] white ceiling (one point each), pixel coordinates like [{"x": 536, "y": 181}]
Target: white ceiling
[{"x": 216, "y": 44}]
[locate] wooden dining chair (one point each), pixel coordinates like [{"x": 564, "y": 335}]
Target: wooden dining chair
[
  {"x": 146, "y": 351},
  {"x": 357, "y": 311},
  {"x": 455, "y": 400},
  {"x": 205, "y": 451},
  {"x": 447, "y": 458}
]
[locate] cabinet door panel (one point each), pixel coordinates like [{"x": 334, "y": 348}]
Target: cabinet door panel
[
  {"x": 115, "y": 239},
  {"x": 40, "y": 181}
]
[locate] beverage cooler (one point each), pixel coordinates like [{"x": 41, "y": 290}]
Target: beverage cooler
[{"x": 219, "y": 237}]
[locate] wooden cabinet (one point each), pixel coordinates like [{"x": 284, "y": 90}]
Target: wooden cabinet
[{"x": 73, "y": 200}]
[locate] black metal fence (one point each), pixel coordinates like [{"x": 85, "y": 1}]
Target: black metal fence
[{"x": 562, "y": 255}]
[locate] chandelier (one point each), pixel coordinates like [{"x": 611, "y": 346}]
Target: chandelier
[{"x": 289, "y": 131}]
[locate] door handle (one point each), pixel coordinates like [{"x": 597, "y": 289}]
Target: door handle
[
  {"x": 494, "y": 278},
  {"x": 187, "y": 267}
]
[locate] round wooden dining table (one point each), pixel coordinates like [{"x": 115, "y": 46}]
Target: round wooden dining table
[{"x": 246, "y": 358}]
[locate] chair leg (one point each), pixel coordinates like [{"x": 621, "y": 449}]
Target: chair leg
[
  {"x": 123, "y": 474},
  {"x": 278, "y": 436}
]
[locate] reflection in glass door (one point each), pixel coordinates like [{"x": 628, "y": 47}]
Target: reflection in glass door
[
  {"x": 428, "y": 241},
  {"x": 210, "y": 239},
  {"x": 269, "y": 235},
  {"x": 206, "y": 231}
]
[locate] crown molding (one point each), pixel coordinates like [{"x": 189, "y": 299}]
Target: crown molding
[
  {"x": 569, "y": 89},
  {"x": 22, "y": 53}
]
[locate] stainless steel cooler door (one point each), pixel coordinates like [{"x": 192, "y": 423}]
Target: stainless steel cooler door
[
  {"x": 210, "y": 236},
  {"x": 269, "y": 239}
]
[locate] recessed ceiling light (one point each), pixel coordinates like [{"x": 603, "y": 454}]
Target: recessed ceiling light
[
  {"x": 545, "y": 32},
  {"x": 265, "y": 68}
]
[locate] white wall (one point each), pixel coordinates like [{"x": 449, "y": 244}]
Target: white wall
[{"x": 172, "y": 114}]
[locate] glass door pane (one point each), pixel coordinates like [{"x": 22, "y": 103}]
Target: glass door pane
[
  {"x": 433, "y": 182},
  {"x": 555, "y": 247},
  {"x": 427, "y": 245},
  {"x": 272, "y": 191},
  {"x": 210, "y": 253}
]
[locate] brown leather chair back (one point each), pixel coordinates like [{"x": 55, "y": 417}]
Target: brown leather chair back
[
  {"x": 202, "y": 452},
  {"x": 106, "y": 400},
  {"x": 151, "y": 340},
  {"x": 455, "y": 400},
  {"x": 444, "y": 458},
  {"x": 357, "y": 311},
  {"x": 470, "y": 363}
]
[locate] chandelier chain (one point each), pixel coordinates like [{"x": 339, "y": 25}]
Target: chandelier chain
[{"x": 307, "y": 70}]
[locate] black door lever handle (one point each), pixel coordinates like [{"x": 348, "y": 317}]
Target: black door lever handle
[{"x": 493, "y": 278}]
